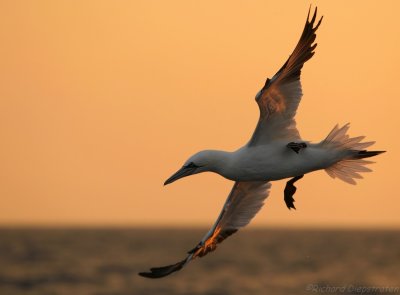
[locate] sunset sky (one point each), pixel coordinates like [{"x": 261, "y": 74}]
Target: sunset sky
[{"x": 101, "y": 101}]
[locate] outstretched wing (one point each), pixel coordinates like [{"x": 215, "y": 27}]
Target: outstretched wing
[
  {"x": 242, "y": 204},
  {"x": 279, "y": 98}
]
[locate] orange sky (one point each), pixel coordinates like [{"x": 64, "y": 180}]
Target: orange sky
[{"x": 101, "y": 101}]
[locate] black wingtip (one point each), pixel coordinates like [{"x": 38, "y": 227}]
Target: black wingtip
[
  {"x": 319, "y": 22},
  {"x": 308, "y": 15},
  {"x": 313, "y": 18},
  {"x": 146, "y": 275},
  {"x": 163, "y": 271}
]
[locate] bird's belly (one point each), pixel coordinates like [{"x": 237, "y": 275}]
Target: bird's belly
[{"x": 279, "y": 162}]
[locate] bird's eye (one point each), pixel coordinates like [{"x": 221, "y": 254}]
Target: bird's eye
[{"x": 191, "y": 165}]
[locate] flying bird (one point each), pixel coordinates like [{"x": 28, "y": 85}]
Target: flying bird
[{"x": 275, "y": 151}]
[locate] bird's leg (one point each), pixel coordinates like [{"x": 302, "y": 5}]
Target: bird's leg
[
  {"x": 296, "y": 146},
  {"x": 289, "y": 191}
]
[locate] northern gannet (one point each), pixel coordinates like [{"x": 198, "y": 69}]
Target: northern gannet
[{"x": 275, "y": 151}]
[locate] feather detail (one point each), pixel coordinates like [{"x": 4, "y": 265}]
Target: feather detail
[{"x": 353, "y": 164}]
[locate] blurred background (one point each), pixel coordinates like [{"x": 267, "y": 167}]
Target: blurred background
[{"x": 101, "y": 101}]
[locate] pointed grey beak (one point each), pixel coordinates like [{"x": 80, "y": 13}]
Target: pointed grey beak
[{"x": 183, "y": 172}]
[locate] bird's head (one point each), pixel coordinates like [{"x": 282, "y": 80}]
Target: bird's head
[{"x": 203, "y": 161}]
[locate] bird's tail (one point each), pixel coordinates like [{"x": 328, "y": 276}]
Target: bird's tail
[{"x": 349, "y": 167}]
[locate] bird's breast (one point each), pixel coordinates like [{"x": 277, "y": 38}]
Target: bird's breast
[{"x": 275, "y": 161}]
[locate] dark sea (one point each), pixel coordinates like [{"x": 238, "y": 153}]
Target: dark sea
[{"x": 260, "y": 261}]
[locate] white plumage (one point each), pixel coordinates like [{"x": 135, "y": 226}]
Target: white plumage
[{"x": 275, "y": 151}]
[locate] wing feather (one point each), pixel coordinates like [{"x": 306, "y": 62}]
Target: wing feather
[
  {"x": 279, "y": 99},
  {"x": 242, "y": 204}
]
